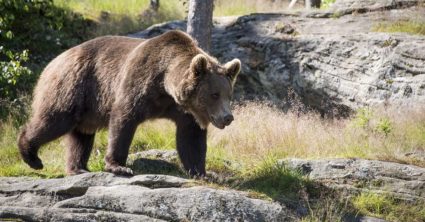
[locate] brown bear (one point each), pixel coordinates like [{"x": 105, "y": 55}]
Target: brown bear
[{"x": 119, "y": 82}]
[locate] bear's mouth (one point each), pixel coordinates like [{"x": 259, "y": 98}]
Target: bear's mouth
[{"x": 216, "y": 124}]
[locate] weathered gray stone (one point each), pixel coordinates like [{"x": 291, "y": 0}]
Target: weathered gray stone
[
  {"x": 400, "y": 180},
  {"x": 349, "y": 6},
  {"x": 61, "y": 215},
  {"x": 183, "y": 204},
  {"x": 155, "y": 162},
  {"x": 105, "y": 197}
]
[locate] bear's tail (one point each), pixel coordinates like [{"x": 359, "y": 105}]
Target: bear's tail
[{"x": 28, "y": 150}]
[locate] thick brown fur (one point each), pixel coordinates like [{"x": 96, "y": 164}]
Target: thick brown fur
[{"x": 119, "y": 82}]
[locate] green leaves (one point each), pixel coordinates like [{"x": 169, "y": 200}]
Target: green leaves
[{"x": 13, "y": 74}]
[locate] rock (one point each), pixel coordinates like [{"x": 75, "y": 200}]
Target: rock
[
  {"x": 402, "y": 181},
  {"x": 184, "y": 204},
  {"x": 334, "y": 65},
  {"x": 350, "y": 6},
  {"x": 105, "y": 197},
  {"x": 155, "y": 162}
]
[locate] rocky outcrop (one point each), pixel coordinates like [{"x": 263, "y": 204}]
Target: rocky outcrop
[
  {"x": 333, "y": 61},
  {"x": 406, "y": 182},
  {"x": 350, "y": 6},
  {"x": 105, "y": 197},
  {"x": 154, "y": 197}
]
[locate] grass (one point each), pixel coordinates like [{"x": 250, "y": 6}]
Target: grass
[
  {"x": 122, "y": 17},
  {"x": 414, "y": 27},
  {"x": 126, "y": 16},
  {"x": 245, "y": 159},
  {"x": 385, "y": 134},
  {"x": 388, "y": 208},
  {"x": 376, "y": 134}
]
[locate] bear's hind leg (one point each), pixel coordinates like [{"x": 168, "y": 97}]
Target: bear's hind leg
[
  {"x": 79, "y": 147},
  {"x": 40, "y": 131}
]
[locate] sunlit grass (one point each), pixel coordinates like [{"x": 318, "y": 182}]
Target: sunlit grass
[
  {"x": 126, "y": 16},
  {"x": 259, "y": 131},
  {"x": 415, "y": 27},
  {"x": 244, "y": 155},
  {"x": 244, "y": 7},
  {"x": 122, "y": 17},
  {"x": 386, "y": 207}
]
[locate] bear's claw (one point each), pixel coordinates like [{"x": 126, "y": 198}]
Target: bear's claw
[
  {"x": 77, "y": 171},
  {"x": 120, "y": 170}
]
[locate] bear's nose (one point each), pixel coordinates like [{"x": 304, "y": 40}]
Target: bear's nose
[{"x": 228, "y": 119}]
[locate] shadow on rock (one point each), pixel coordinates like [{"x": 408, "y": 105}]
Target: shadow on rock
[{"x": 152, "y": 166}]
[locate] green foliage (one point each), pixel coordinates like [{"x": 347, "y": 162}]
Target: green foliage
[
  {"x": 41, "y": 27},
  {"x": 362, "y": 118},
  {"x": 327, "y": 3},
  {"x": 32, "y": 32},
  {"x": 384, "y": 126},
  {"x": 14, "y": 76}
]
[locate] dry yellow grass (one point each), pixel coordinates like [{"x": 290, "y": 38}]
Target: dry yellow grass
[
  {"x": 243, "y": 7},
  {"x": 260, "y": 130}
]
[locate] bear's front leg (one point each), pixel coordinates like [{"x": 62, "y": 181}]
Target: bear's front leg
[
  {"x": 191, "y": 145},
  {"x": 121, "y": 132}
]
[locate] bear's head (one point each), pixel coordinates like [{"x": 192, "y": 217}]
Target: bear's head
[{"x": 208, "y": 89}]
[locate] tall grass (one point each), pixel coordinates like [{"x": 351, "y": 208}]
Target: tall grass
[
  {"x": 259, "y": 130},
  {"x": 243, "y": 7},
  {"x": 244, "y": 154}
]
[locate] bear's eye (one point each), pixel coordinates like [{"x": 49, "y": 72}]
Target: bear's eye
[{"x": 215, "y": 95}]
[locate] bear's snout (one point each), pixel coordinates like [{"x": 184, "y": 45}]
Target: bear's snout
[
  {"x": 222, "y": 121},
  {"x": 228, "y": 119}
]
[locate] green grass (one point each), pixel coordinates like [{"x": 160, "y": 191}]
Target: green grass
[
  {"x": 272, "y": 179},
  {"x": 414, "y": 27},
  {"x": 124, "y": 16},
  {"x": 388, "y": 208},
  {"x": 245, "y": 159}
]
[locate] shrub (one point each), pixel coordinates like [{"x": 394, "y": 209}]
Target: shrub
[
  {"x": 14, "y": 75},
  {"x": 32, "y": 32}
]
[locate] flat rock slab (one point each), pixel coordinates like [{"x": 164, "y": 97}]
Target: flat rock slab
[
  {"x": 355, "y": 175},
  {"x": 105, "y": 197}
]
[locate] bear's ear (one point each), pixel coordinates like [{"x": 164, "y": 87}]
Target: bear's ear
[
  {"x": 232, "y": 69},
  {"x": 198, "y": 66}
]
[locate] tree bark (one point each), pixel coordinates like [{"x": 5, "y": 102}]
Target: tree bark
[
  {"x": 312, "y": 4},
  {"x": 154, "y": 5},
  {"x": 199, "y": 22}
]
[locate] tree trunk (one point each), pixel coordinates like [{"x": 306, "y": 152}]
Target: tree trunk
[
  {"x": 312, "y": 4},
  {"x": 199, "y": 22},
  {"x": 154, "y": 5}
]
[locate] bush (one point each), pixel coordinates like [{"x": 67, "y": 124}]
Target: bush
[
  {"x": 14, "y": 75},
  {"x": 32, "y": 32},
  {"x": 39, "y": 26}
]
